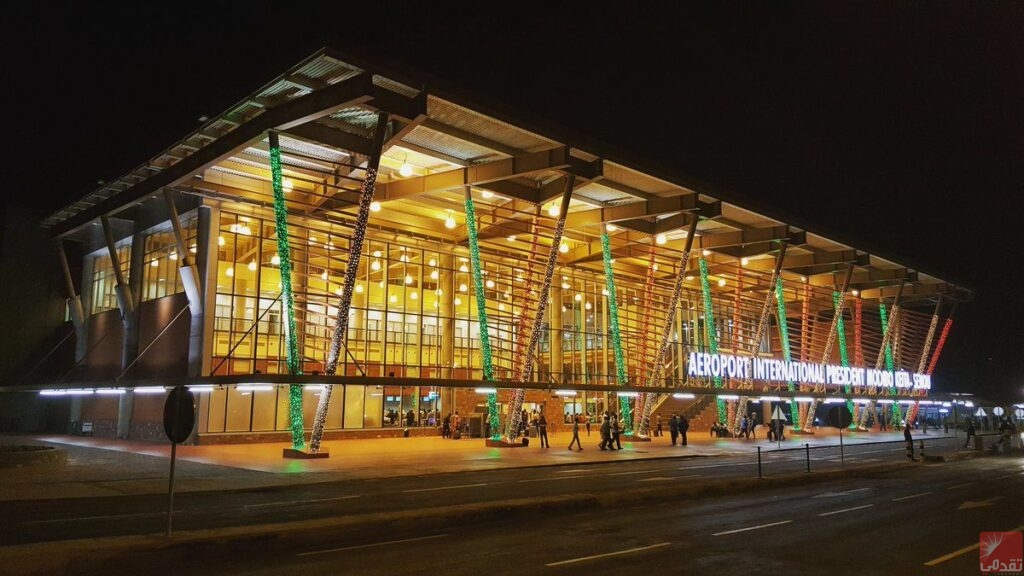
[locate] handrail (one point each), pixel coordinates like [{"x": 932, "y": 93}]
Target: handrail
[
  {"x": 152, "y": 342},
  {"x": 47, "y": 355},
  {"x": 804, "y": 447}
]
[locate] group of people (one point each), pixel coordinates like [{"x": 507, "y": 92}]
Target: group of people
[
  {"x": 452, "y": 426},
  {"x": 610, "y": 432}
]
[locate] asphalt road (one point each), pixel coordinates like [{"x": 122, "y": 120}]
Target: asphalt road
[
  {"x": 914, "y": 520},
  {"x": 50, "y": 520}
]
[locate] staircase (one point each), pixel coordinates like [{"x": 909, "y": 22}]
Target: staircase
[{"x": 702, "y": 411}]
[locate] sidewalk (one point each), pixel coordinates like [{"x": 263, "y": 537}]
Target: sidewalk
[{"x": 99, "y": 467}]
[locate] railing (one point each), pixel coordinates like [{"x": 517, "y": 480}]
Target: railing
[{"x": 826, "y": 456}]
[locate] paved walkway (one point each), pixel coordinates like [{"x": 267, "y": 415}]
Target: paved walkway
[{"x": 109, "y": 467}]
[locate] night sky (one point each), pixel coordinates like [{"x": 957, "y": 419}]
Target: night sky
[{"x": 898, "y": 126}]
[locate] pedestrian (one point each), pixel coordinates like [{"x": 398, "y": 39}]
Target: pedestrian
[
  {"x": 673, "y": 428},
  {"x": 753, "y": 425},
  {"x": 576, "y": 433},
  {"x": 780, "y": 434},
  {"x": 542, "y": 428},
  {"x": 588, "y": 424},
  {"x": 910, "y": 442},
  {"x": 446, "y": 426},
  {"x": 881, "y": 421},
  {"x": 744, "y": 423},
  {"x": 456, "y": 426},
  {"x": 657, "y": 430},
  {"x": 684, "y": 425},
  {"x": 970, "y": 433},
  {"x": 606, "y": 433},
  {"x": 615, "y": 431},
  {"x": 771, "y": 431}
]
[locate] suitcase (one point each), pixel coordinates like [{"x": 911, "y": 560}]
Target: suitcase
[
  {"x": 457, "y": 435},
  {"x": 526, "y": 441}
]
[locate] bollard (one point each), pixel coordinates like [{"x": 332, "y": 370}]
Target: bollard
[
  {"x": 922, "y": 449},
  {"x": 759, "y": 462},
  {"x": 807, "y": 449}
]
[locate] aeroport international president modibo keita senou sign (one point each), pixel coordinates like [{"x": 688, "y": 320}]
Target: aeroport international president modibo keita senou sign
[{"x": 770, "y": 369}]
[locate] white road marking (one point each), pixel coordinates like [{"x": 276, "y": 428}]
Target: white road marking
[
  {"x": 1004, "y": 477},
  {"x": 964, "y": 550},
  {"x": 111, "y": 516},
  {"x": 446, "y": 487},
  {"x": 574, "y": 470},
  {"x": 656, "y": 479},
  {"x": 370, "y": 545},
  {"x": 843, "y": 493},
  {"x": 294, "y": 502},
  {"x": 552, "y": 479},
  {"x": 846, "y": 510},
  {"x": 752, "y": 528},
  {"x": 901, "y": 498},
  {"x": 619, "y": 553},
  {"x": 955, "y": 486}
]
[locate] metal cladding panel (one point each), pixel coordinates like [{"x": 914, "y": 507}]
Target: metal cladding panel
[
  {"x": 596, "y": 191},
  {"x": 394, "y": 86},
  {"x": 449, "y": 145},
  {"x": 476, "y": 123},
  {"x": 310, "y": 149},
  {"x": 357, "y": 117},
  {"x": 328, "y": 70},
  {"x": 633, "y": 179}
]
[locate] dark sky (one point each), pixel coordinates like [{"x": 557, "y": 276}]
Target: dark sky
[{"x": 896, "y": 125}]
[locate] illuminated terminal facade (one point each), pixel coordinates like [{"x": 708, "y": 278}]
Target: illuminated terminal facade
[{"x": 422, "y": 254}]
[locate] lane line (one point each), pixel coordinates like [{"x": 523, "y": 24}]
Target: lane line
[
  {"x": 752, "y": 528},
  {"x": 606, "y": 555},
  {"x": 843, "y": 493},
  {"x": 553, "y": 479},
  {"x": 964, "y": 550},
  {"x": 1004, "y": 477},
  {"x": 902, "y": 498},
  {"x": 315, "y": 552},
  {"x": 446, "y": 487},
  {"x": 846, "y": 510},
  {"x": 108, "y": 517},
  {"x": 656, "y": 479},
  {"x": 573, "y": 471},
  {"x": 955, "y": 486},
  {"x": 294, "y": 502}
]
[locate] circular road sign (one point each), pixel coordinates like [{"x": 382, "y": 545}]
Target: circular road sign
[
  {"x": 998, "y": 410},
  {"x": 179, "y": 414},
  {"x": 839, "y": 416}
]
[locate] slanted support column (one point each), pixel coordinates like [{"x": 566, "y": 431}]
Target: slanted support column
[
  {"x": 126, "y": 303},
  {"x": 556, "y": 333},
  {"x": 74, "y": 305},
  {"x": 193, "y": 291},
  {"x": 206, "y": 264},
  {"x": 834, "y": 331}
]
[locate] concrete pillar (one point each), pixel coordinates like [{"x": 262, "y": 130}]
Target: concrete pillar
[
  {"x": 447, "y": 329},
  {"x": 206, "y": 258},
  {"x": 557, "y": 368},
  {"x": 124, "y": 414}
]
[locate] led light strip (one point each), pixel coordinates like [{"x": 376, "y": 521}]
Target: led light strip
[
  {"x": 709, "y": 329},
  {"x": 481, "y": 307},
  {"x": 780, "y": 299},
  {"x": 613, "y": 312}
]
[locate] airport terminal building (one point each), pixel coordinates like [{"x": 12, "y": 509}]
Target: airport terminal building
[{"x": 425, "y": 252}]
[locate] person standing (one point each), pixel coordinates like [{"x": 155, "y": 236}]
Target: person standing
[
  {"x": 542, "y": 429},
  {"x": 684, "y": 425},
  {"x": 616, "y": 432},
  {"x": 970, "y": 433},
  {"x": 673, "y": 428},
  {"x": 657, "y": 431},
  {"x": 576, "y": 433},
  {"x": 588, "y": 424},
  {"x": 456, "y": 426},
  {"x": 744, "y": 423},
  {"x": 910, "y": 442},
  {"x": 881, "y": 421}
]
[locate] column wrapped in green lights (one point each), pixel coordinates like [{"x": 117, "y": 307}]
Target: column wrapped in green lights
[
  {"x": 481, "y": 309},
  {"x": 932, "y": 327},
  {"x": 613, "y": 317},
  {"x": 709, "y": 329},
  {"x": 897, "y": 413},
  {"x": 780, "y": 299},
  {"x": 287, "y": 300}
]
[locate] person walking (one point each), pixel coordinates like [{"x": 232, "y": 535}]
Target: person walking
[
  {"x": 616, "y": 432},
  {"x": 673, "y": 428},
  {"x": 588, "y": 424},
  {"x": 606, "y": 433},
  {"x": 744, "y": 423},
  {"x": 684, "y": 425},
  {"x": 542, "y": 429},
  {"x": 881, "y": 421},
  {"x": 576, "y": 433},
  {"x": 657, "y": 431},
  {"x": 970, "y": 433},
  {"x": 910, "y": 442},
  {"x": 753, "y": 425}
]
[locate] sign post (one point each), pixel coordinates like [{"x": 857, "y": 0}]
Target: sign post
[
  {"x": 840, "y": 417},
  {"x": 179, "y": 419},
  {"x": 780, "y": 419}
]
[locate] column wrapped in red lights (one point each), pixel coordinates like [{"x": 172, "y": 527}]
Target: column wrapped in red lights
[
  {"x": 835, "y": 332},
  {"x": 613, "y": 316},
  {"x": 644, "y": 356},
  {"x": 938, "y": 347},
  {"x": 887, "y": 324},
  {"x": 355, "y": 249},
  {"x": 522, "y": 364},
  {"x": 709, "y": 328},
  {"x": 287, "y": 299}
]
